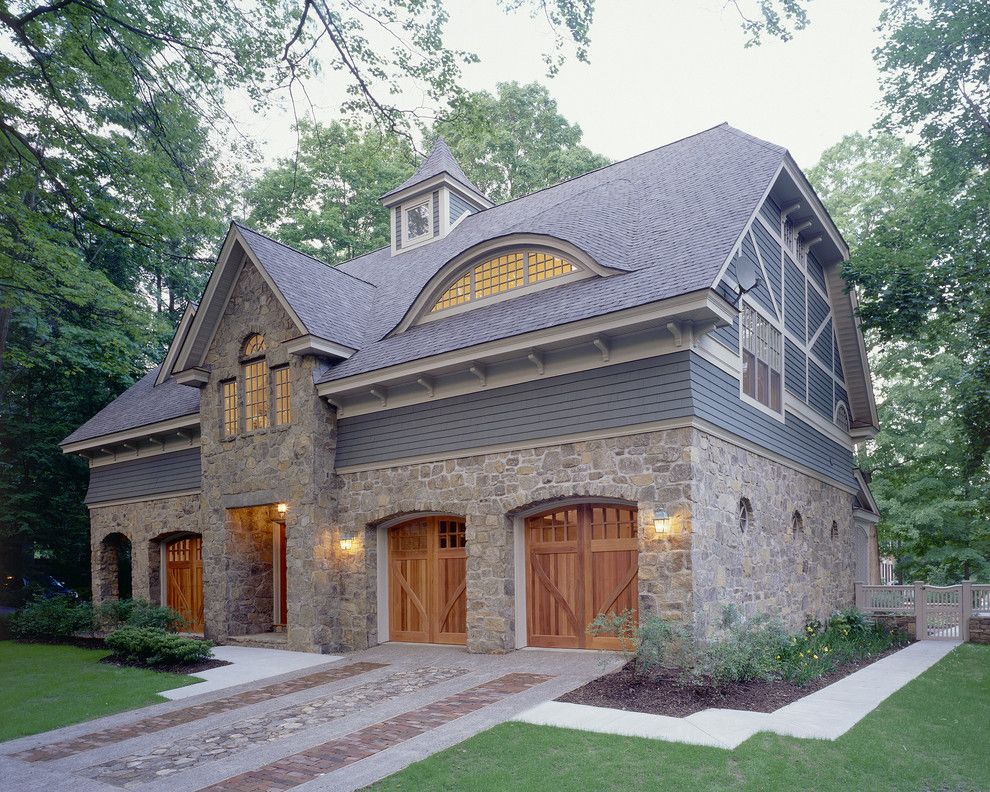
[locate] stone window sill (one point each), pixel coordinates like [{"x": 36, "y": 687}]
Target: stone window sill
[{"x": 255, "y": 433}]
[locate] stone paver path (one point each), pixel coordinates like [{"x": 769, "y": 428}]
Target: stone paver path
[
  {"x": 321, "y": 759},
  {"x": 115, "y": 734},
  {"x": 327, "y": 729}
]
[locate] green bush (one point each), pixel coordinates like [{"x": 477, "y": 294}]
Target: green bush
[
  {"x": 153, "y": 646},
  {"x": 51, "y": 619},
  {"x": 848, "y": 637},
  {"x": 138, "y": 613},
  {"x": 744, "y": 650},
  {"x": 656, "y": 644}
]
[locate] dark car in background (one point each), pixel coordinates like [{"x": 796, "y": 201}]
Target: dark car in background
[{"x": 15, "y": 590}]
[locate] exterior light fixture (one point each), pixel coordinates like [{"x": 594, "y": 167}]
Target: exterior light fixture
[
  {"x": 282, "y": 508},
  {"x": 346, "y": 540},
  {"x": 661, "y": 522}
]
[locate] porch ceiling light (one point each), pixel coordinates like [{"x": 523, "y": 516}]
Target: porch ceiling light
[
  {"x": 661, "y": 522},
  {"x": 282, "y": 508}
]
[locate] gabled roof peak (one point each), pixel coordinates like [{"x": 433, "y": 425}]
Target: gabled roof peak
[{"x": 440, "y": 161}]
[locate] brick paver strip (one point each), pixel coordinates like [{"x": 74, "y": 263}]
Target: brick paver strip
[
  {"x": 233, "y": 736},
  {"x": 314, "y": 762},
  {"x": 116, "y": 734}
]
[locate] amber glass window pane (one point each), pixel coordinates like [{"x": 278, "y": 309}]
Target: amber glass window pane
[
  {"x": 283, "y": 408},
  {"x": 230, "y": 417},
  {"x": 546, "y": 265},
  {"x": 459, "y": 292},
  {"x": 499, "y": 274},
  {"x": 254, "y": 345},
  {"x": 255, "y": 395}
]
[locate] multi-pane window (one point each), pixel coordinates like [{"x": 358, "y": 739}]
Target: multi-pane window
[
  {"x": 418, "y": 221},
  {"x": 228, "y": 391},
  {"x": 255, "y": 395},
  {"x": 283, "y": 409},
  {"x": 761, "y": 359},
  {"x": 254, "y": 345},
  {"x": 503, "y": 273}
]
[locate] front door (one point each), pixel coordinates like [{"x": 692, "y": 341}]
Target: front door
[
  {"x": 427, "y": 575},
  {"x": 184, "y": 580},
  {"x": 581, "y": 561}
]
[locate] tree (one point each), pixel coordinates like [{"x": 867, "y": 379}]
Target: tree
[
  {"x": 514, "y": 142},
  {"x": 325, "y": 199}
]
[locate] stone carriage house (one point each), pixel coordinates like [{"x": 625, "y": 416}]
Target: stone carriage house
[{"x": 511, "y": 419}]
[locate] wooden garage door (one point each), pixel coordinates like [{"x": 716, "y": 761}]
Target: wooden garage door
[
  {"x": 580, "y": 561},
  {"x": 184, "y": 580},
  {"x": 427, "y": 575}
]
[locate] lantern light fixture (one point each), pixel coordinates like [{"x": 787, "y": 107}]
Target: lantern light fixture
[
  {"x": 282, "y": 508},
  {"x": 346, "y": 540},
  {"x": 661, "y": 522}
]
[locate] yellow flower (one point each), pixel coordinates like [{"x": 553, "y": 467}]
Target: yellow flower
[
  {"x": 800, "y": 654},
  {"x": 815, "y": 656},
  {"x": 778, "y": 657}
]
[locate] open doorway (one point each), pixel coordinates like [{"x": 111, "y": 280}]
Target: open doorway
[{"x": 257, "y": 577}]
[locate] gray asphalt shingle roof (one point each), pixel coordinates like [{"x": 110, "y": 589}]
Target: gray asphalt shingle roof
[
  {"x": 141, "y": 404},
  {"x": 439, "y": 160},
  {"x": 666, "y": 220}
]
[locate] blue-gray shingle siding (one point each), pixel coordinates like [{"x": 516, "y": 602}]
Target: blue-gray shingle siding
[
  {"x": 820, "y": 389},
  {"x": 771, "y": 212},
  {"x": 794, "y": 301},
  {"x": 816, "y": 271},
  {"x": 398, "y": 228},
  {"x": 177, "y": 471},
  {"x": 436, "y": 213},
  {"x": 795, "y": 370},
  {"x": 770, "y": 253},
  {"x": 822, "y": 348},
  {"x": 760, "y": 292},
  {"x": 458, "y": 206},
  {"x": 605, "y": 398},
  {"x": 818, "y": 311},
  {"x": 836, "y": 360}
]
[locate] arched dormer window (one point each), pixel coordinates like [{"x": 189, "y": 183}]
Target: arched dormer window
[
  {"x": 254, "y": 344},
  {"x": 255, "y": 383},
  {"x": 495, "y": 275},
  {"x": 842, "y": 416}
]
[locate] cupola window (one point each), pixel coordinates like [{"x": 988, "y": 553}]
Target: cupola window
[{"x": 418, "y": 219}]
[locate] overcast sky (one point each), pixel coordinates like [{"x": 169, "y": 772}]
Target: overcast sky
[{"x": 663, "y": 69}]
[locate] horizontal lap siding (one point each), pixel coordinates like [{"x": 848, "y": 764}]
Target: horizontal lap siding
[
  {"x": 794, "y": 301},
  {"x": 178, "y": 471},
  {"x": 728, "y": 336},
  {"x": 771, "y": 212},
  {"x": 770, "y": 253},
  {"x": 716, "y": 399},
  {"x": 820, "y": 387},
  {"x": 822, "y": 348},
  {"x": 760, "y": 292},
  {"x": 458, "y": 206},
  {"x": 625, "y": 394},
  {"x": 795, "y": 370}
]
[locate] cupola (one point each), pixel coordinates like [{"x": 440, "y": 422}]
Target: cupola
[{"x": 427, "y": 205}]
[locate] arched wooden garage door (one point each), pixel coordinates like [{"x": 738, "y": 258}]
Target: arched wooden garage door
[
  {"x": 184, "y": 580},
  {"x": 581, "y": 560},
  {"x": 427, "y": 562}
]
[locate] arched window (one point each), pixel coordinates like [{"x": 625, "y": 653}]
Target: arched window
[
  {"x": 255, "y": 384},
  {"x": 797, "y": 523},
  {"x": 842, "y": 416},
  {"x": 745, "y": 514},
  {"x": 505, "y": 272},
  {"x": 254, "y": 344}
]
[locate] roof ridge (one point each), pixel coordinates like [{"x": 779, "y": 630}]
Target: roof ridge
[
  {"x": 753, "y": 139},
  {"x": 330, "y": 267}
]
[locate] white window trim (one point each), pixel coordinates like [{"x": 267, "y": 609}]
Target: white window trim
[
  {"x": 410, "y": 242},
  {"x": 746, "y": 398}
]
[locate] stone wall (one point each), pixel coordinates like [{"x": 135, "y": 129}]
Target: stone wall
[
  {"x": 291, "y": 464},
  {"x": 145, "y": 524},
  {"x": 250, "y": 571},
  {"x": 979, "y": 629},
  {"x": 490, "y": 491},
  {"x": 770, "y": 568}
]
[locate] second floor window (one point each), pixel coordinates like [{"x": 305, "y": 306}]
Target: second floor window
[
  {"x": 255, "y": 395},
  {"x": 231, "y": 415},
  {"x": 283, "y": 408},
  {"x": 761, "y": 359}
]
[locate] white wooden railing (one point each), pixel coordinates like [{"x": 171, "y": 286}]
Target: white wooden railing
[{"x": 940, "y": 612}]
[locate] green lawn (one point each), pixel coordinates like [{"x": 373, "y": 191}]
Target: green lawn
[
  {"x": 43, "y": 687},
  {"x": 931, "y": 735}
]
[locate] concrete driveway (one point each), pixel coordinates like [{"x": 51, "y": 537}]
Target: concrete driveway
[{"x": 337, "y": 726}]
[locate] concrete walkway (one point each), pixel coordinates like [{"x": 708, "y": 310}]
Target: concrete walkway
[
  {"x": 338, "y": 726},
  {"x": 825, "y": 714},
  {"x": 248, "y": 664}
]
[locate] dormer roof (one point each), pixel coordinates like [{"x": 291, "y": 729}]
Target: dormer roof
[{"x": 439, "y": 165}]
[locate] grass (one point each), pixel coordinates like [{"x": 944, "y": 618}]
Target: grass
[
  {"x": 930, "y": 735},
  {"x": 44, "y": 687}
]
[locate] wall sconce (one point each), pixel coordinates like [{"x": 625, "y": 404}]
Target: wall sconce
[
  {"x": 282, "y": 508},
  {"x": 346, "y": 540},
  {"x": 661, "y": 522}
]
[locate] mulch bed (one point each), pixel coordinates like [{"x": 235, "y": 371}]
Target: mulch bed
[
  {"x": 667, "y": 695},
  {"x": 189, "y": 668}
]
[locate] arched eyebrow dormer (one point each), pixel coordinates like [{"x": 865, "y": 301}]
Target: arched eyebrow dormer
[{"x": 499, "y": 270}]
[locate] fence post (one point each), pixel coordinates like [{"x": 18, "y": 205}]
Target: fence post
[
  {"x": 920, "y": 628},
  {"x": 966, "y": 608},
  {"x": 860, "y": 596}
]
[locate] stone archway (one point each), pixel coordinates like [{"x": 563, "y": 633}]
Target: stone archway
[{"x": 112, "y": 578}]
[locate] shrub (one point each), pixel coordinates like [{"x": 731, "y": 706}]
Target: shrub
[
  {"x": 745, "y": 650},
  {"x": 51, "y": 619},
  {"x": 153, "y": 646},
  {"x": 656, "y": 644},
  {"x": 138, "y": 613}
]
